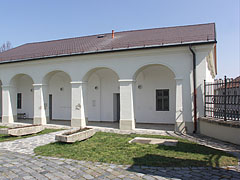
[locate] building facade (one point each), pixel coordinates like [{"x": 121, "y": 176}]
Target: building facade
[{"x": 128, "y": 77}]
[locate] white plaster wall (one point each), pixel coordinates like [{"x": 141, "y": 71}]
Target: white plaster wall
[
  {"x": 0, "y": 99},
  {"x": 219, "y": 131},
  {"x": 125, "y": 64},
  {"x": 61, "y": 100},
  {"x": 151, "y": 79},
  {"x": 24, "y": 86},
  {"x": 209, "y": 77},
  {"x": 100, "y": 101},
  {"x": 93, "y": 109},
  {"x": 202, "y": 73}
]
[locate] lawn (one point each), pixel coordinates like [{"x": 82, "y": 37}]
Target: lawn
[
  {"x": 3, "y": 127},
  {"x": 4, "y": 137},
  {"x": 114, "y": 148}
]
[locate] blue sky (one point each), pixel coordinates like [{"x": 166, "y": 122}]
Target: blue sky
[{"x": 30, "y": 21}]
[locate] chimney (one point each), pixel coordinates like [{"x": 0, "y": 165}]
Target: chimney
[{"x": 112, "y": 34}]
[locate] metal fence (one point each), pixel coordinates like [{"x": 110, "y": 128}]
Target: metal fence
[{"x": 222, "y": 99}]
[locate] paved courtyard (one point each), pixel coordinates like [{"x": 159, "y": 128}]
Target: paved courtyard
[{"x": 17, "y": 161}]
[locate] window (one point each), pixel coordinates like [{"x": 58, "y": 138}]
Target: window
[
  {"x": 19, "y": 100},
  {"x": 162, "y": 100}
]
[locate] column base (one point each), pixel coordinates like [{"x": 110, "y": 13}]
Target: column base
[
  {"x": 127, "y": 124},
  {"x": 81, "y": 123},
  {"x": 184, "y": 127},
  {"x": 8, "y": 119},
  {"x": 39, "y": 120}
]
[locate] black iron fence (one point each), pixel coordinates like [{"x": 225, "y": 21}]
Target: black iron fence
[{"x": 222, "y": 99}]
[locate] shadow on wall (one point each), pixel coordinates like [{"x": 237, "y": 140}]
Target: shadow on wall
[
  {"x": 194, "y": 168},
  {"x": 0, "y": 101},
  {"x": 200, "y": 102}
]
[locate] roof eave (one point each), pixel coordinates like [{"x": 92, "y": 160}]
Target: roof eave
[{"x": 112, "y": 50}]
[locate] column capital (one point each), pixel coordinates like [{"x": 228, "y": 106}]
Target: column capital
[
  {"x": 35, "y": 85},
  {"x": 126, "y": 80},
  {"x": 78, "y": 82},
  {"x": 179, "y": 78},
  {"x": 7, "y": 86}
]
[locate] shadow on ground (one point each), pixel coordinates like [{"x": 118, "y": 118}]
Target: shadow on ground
[{"x": 195, "y": 170}]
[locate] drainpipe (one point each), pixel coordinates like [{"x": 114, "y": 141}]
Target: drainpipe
[{"x": 195, "y": 90}]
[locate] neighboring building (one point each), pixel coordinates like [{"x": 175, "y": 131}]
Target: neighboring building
[
  {"x": 232, "y": 95},
  {"x": 135, "y": 77}
]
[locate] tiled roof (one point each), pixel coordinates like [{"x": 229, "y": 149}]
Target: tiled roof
[
  {"x": 231, "y": 83},
  {"x": 122, "y": 40},
  {"x": 234, "y": 83}
]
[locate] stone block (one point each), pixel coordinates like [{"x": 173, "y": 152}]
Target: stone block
[
  {"x": 74, "y": 135},
  {"x": 21, "y": 131},
  {"x": 143, "y": 140}
]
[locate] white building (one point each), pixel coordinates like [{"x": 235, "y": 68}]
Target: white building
[{"x": 134, "y": 77}]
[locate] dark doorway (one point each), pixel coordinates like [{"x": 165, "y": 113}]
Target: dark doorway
[
  {"x": 116, "y": 106},
  {"x": 50, "y": 106}
]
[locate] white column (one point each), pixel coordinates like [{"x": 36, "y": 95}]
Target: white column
[
  {"x": 40, "y": 104},
  {"x": 79, "y": 104},
  {"x": 127, "y": 118},
  {"x": 180, "y": 124},
  {"x": 9, "y": 107}
]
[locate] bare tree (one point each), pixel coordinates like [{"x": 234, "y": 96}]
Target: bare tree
[{"x": 6, "y": 46}]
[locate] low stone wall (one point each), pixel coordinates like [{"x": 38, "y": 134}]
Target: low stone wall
[{"x": 228, "y": 131}]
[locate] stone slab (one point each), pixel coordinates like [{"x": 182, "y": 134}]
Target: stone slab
[{"x": 143, "y": 140}]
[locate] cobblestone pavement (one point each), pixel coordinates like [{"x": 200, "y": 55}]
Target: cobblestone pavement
[
  {"x": 17, "y": 161},
  {"x": 18, "y": 166},
  {"x": 27, "y": 145}
]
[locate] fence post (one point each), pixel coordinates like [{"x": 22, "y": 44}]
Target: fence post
[{"x": 225, "y": 98}]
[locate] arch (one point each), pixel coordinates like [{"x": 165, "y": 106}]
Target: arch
[
  {"x": 57, "y": 96},
  {"x": 91, "y": 71},
  {"x": 10, "y": 79},
  {"x": 48, "y": 76},
  {"x": 143, "y": 66},
  {"x": 22, "y": 97},
  {"x": 102, "y": 87},
  {"x": 155, "y": 96},
  {"x": 14, "y": 78}
]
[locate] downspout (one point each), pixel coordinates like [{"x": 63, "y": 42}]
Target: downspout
[{"x": 195, "y": 90}]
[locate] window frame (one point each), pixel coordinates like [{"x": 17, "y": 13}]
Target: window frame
[
  {"x": 19, "y": 100},
  {"x": 163, "y": 99}
]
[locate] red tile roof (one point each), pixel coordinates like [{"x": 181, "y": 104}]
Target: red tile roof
[
  {"x": 234, "y": 83},
  {"x": 123, "y": 40},
  {"x": 231, "y": 83}
]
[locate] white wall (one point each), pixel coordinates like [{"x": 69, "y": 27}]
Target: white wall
[
  {"x": 61, "y": 100},
  {"x": 209, "y": 77},
  {"x": 0, "y": 99},
  {"x": 125, "y": 64},
  {"x": 100, "y": 101},
  {"x": 94, "y": 111},
  {"x": 151, "y": 79},
  {"x": 202, "y": 73},
  {"x": 24, "y": 86},
  {"x": 222, "y": 130}
]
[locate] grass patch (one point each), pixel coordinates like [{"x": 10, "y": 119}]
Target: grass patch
[
  {"x": 4, "y": 137},
  {"x": 3, "y": 126},
  {"x": 114, "y": 148}
]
